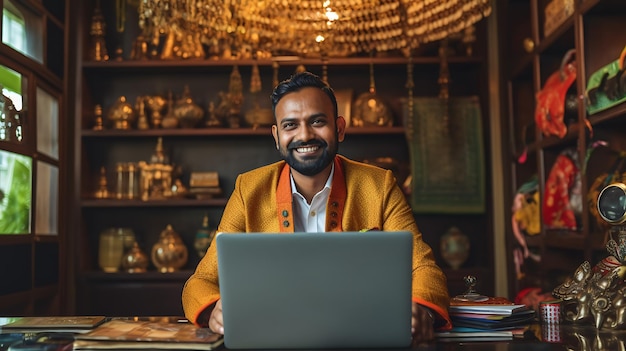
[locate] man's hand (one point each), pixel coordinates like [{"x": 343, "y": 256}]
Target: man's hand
[
  {"x": 216, "y": 322},
  {"x": 421, "y": 324}
]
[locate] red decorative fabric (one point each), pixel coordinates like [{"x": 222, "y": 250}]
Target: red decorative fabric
[
  {"x": 550, "y": 109},
  {"x": 557, "y": 210}
]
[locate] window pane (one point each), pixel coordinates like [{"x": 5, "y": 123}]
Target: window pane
[
  {"x": 15, "y": 193},
  {"x": 22, "y": 30},
  {"x": 47, "y": 124},
  {"x": 46, "y": 213},
  {"x": 11, "y": 103}
]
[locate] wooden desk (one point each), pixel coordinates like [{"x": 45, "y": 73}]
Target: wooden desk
[
  {"x": 537, "y": 337},
  {"x": 545, "y": 338}
]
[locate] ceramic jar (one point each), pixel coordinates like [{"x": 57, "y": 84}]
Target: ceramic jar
[
  {"x": 169, "y": 254},
  {"x": 112, "y": 244},
  {"x": 203, "y": 238},
  {"x": 455, "y": 247}
]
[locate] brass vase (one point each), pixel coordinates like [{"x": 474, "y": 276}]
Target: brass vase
[
  {"x": 169, "y": 254},
  {"x": 135, "y": 260},
  {"x": 122, "y": 115},
  {"x": 187, "y": 111}
]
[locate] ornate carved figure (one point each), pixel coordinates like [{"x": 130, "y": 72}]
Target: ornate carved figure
[{"x": 598, "y": 294}]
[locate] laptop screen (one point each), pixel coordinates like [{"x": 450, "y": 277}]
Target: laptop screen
[{"x": 316, "y": 290}]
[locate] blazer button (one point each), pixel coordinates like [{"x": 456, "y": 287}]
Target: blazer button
[
  {"x": 286, "y": 224},
  {"x": 285, "y": 213}
]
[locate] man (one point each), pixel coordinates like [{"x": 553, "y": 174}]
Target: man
[{"x": 315, "y": 190}]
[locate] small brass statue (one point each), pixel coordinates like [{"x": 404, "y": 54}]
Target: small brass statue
[
  {"x": 103, "y": 191},
  {"x": 98, "y": 50},
  {"x": 229, "y": 107},
  {"x": 156, "y": 176},
  {"x": 122, "y": 114},
  {"x": 598, "y": 294}
]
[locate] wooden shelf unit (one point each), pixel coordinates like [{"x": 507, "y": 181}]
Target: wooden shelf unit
[{"x": 592, "y": 31}]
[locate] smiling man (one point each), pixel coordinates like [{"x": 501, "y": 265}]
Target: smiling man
[{"x": 316, "y": 190}]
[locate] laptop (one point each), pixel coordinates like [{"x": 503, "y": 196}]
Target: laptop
[{"x": 316, "y": 290}]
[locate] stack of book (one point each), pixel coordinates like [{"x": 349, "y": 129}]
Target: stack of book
[{"x": 484, "y": 321}]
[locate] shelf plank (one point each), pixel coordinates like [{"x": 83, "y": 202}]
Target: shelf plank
[
  {"x": 283, "y": 61},
  {"x": 608, "y": 114},
  {"x": 99, "y": 276},
  {"x": 173, "y": 202},
  {"x": 186, "y": 132},
  {"x": 566, "y": 239}
]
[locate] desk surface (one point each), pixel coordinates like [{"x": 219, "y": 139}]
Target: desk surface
[{"x": 546, "y": 337}]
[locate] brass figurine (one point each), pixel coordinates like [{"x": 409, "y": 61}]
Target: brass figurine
[
  {"x": 103, "y": 191},
  {"x": 122, "y": 114},
  {"x": 142, "y": 119},
  {"x": 229, "y": 108},
  {"x": 156, "y": 176},
  {"x": 156, "y": 104},
  {"x": 598, "y": 294},
  {"x": 99, "y": 122},
  {"x": 98, "y": 51},
  {"x": 257, "y": 116}
]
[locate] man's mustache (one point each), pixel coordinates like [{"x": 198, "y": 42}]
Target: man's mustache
[{"x": 296, "y": 144}]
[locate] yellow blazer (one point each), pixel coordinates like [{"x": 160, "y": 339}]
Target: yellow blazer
[{"x": 362, "y": 197}]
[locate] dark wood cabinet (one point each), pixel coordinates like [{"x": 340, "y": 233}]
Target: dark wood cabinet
[
  {"x": 594, "y": 31},
  {"x": 229, "y": 151}
]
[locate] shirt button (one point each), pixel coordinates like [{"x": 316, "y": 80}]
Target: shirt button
[
  {"x": 335, "y": 203},
  {"x": 285, "y": 213},
  {"x": 312, "y": 213},
  {"x": 333, "y": 214},
  {"x": 286, "y": 224},
  {"x": 333, "y": 224}
]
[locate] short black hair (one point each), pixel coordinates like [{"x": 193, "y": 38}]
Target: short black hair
[{"x": 299, "y": 81}]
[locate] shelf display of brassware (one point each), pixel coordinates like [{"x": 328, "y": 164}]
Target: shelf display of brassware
[
  {"x": 156, "y": 179},
  {"x": 119, "y": 251},
  {"x": 158, "y": 112}
]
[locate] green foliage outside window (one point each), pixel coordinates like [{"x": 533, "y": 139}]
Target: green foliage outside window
[{"x": 15, "y": 196}]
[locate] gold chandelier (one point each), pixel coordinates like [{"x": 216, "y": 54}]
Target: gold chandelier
[{"x": 334, "y": 28}]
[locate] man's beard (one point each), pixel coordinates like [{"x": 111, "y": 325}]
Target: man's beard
[{"x": 311, "y": 165}]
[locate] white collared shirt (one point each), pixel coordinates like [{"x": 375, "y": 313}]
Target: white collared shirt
[{"x": 311, "y": 218}]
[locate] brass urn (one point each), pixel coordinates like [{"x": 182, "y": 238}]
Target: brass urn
[
  {"x": 135, "y": 260},
  {"x": 187, "y": 111},
  {"x": 169, "y": 254},
  {"x": 122, "y": 115}
]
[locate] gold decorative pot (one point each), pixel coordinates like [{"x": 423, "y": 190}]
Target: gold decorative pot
[
  {"x": 122, "y": 114},
  {"x": 169, "y": 254},
  {"x": 135, "y": 260}
]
